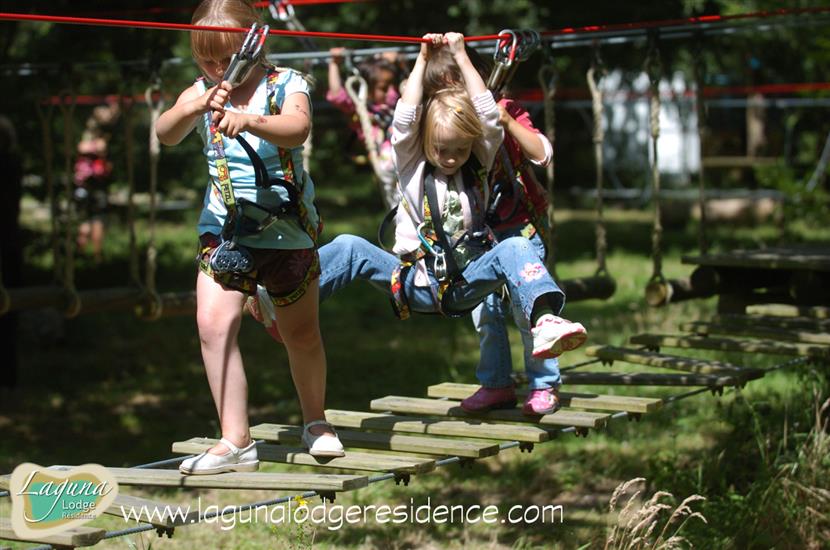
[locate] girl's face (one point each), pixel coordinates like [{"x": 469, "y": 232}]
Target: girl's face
[
  {"x": 450, "y": 151},
  {"x": 214, "y": 69},
  {"x": 383, "y": 81}
]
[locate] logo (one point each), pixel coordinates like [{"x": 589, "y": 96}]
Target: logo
[{"x": 46, "y": 501}]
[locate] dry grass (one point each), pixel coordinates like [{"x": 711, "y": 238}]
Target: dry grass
[{"x": 649, "y": 525}]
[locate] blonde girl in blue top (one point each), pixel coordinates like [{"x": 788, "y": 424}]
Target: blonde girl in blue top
[{"x": 270, "y": 110}]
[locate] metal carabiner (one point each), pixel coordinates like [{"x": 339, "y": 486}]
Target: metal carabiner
[
  {"x": 281, "y": 10},
  {"x": 243, "y": 61}
]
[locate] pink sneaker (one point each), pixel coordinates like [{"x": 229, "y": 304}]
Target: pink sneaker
[
  {"x": 544, "y": 401},
  {"x": 552, "y": 336},
  {"x": 252, "y": 305},
  {"x": 485, "y": 399}
]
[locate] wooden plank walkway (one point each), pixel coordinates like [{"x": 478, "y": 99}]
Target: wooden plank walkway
[
  {"x": 146, "y": 477},
  {"x": 731, "y": 344},
  {"x": 299, "y": 455},
  {"x": 437, "y": 426},
  {"x": 438, "y": 407},
  {"x": 71, "y": 538},
  {"x": 673, "y": 362},
  {"x": 590, "y": 401},
  {"x": 385, "y": 441},
  {"x": 758, "y": 331}
]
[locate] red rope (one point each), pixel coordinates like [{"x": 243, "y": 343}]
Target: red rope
[{"x": 410, "y": 39}]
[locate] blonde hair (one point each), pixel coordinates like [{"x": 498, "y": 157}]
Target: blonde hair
[
  {"x": 449, "y": 109},
  {"x": 221, "y": 13}
]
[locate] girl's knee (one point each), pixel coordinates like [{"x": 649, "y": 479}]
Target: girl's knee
[
  {"x": 216, "y": 324},
  {"x": 304, "y": 336},
  {"x": 516, "y": 246}
]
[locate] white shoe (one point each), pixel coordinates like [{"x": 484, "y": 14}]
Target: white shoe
[
  {"x": 322, "y": 445},
  {"x": 552, "y": 336},
  {"x": 235, "y": 460}
]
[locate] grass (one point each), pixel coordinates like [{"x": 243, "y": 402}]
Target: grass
[{"x": 114, "y": 390}]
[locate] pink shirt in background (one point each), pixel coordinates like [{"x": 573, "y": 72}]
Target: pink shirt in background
[
  {"x": 535, "y": 191},
  {"x": 343, "y": 102}
]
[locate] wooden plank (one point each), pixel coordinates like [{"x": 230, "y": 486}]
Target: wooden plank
[
  {"x": 299, "y": 455},
  {"x": 385, "y": 441},
  {"x": 589, "y": 401},
  {"x": 769, "y": 258},
  {"x": 74, "y": 537},
  {"x": 673, "y": 362},
  {"x": 437, "y": 407},
  {"x": 231, "y": 480},
  {"x": 704, "y": 329},
  {"x": 730, "y": 344},
  {"x": 152, "y": 512},
  {"x": 437, "y": 426},
  {"x": 786, "y": 310},
  {"x": 771, "y": 321},
  {"x": 648, "y": 379}
]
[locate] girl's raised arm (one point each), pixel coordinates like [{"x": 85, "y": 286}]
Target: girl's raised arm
[{"x": 472, "y": 80}]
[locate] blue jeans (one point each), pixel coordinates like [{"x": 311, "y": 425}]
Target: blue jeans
[
  {"x": 495, "y": 363},
  {"x": 513, "y": 262}
]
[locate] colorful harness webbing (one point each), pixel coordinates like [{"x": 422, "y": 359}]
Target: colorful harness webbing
[
  {"x": 295, "y": 188},
  {"x": 474, "y": 176},
  {"x": 538, "y": 222}
]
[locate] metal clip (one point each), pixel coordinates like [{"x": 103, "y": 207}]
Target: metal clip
[
  {"x": 281, "y": 10},
  {"x": 440, "y": 268},
  {"x": 243, "y": 61}
]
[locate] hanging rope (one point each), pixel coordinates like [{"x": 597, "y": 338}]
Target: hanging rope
[
  {"x": 700, "y": 105},
  {"x": 46, "y": 115},
  {"x": 595, "y": 73},
  {"x": 126, "y": 105},
  {"x": 548, "y": 77},
  {"x": 152, "y": 308},
  {"x": 654, "y": 70},
  {"x": 358, "y": 90},
  {"x": 73, "y": 300}
]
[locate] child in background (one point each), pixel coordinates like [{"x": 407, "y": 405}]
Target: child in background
[
  {"x": 271, "y": 109},
  {"x": 520, "y": 211},
  {"x": 448, "y": 146},
  {"x": 381, "y": 77},
  {"x": 93, "y": 172}
]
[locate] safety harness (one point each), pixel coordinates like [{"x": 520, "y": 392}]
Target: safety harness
[
  {"x": 230, "y": 258},
  {"x": 440, "y": 250}
]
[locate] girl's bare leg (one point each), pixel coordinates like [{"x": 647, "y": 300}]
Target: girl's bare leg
[
  {"x": 299, "y": 325},
  {"x": 219, "y": 315}
]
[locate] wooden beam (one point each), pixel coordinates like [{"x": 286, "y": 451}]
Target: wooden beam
[
  {"x": 299, "y": 455},
  {"x": 770, "y": 258},
  {"x": 770, "y": 333},
  {"x": 437, "y": 407},
  {"x": 590, "y": 401},
  {"x": 71, "y": 538},
  {"x": 437, "y": 426},
  {"x": 648, "y": 379},
  {"x": 786, "y": 310},
  {"x": 385, "y": 441},
  {"x": 730, "y": 344},
  {"x": 147, "y": 477},
  {"x": 673, "y": 362},
  {"x": 770, "y": 321}
]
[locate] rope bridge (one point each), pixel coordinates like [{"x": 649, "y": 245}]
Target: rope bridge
[{"x": 417, "y": 435}]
